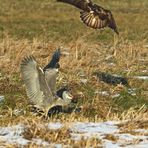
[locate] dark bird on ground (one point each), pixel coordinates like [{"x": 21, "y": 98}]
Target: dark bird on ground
[
  {"x": 41, "y": 84},
  {"x": 111, "y": 79},
  {"x": 93, "y": 15}
]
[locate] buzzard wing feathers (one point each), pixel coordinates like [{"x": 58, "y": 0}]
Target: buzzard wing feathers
[
  {"x": 51, "y": 70},
  {"x": 93, "y": 15},
  {"x": 92, "y": 20}
]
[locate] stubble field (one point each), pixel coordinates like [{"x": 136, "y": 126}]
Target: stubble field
[{"x": 38, "y": 28}]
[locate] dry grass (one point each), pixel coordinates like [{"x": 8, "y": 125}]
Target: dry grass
[
  {"x": 77, "y": 66},
  {"x": 40, "y": 32}
]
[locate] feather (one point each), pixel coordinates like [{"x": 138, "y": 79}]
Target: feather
[
  {"x": 54, "y": 61},
  {"x": 37, "y": 88}
]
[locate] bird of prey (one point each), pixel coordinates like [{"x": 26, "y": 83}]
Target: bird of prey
[
  {"x": 93, "y": 15},
  {"x": 40, "y": 84}
]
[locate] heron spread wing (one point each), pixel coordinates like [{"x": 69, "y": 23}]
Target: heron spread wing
[
  {"x": 51, "y": 75},
  {"x": 51, "y": 70},
  {"x": 93, "y": 15},
  {"x": 37, "y": 88},
  {"x": 54, "y": 61}
]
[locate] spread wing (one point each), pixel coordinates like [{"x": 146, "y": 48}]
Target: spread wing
[
  {"x": 93, "y": 15},
  {"x": 93, "y": 20},
  {"x": 81, "y": 4},
  {"x": 51, "y": 75},
  {"x": 54, "y": 61},
  {"x": 99, "y": 20},
  {"x": 36, "y": 86},
  {"x": 51, "y": 70},
  {"x": 111, "y": 21}
]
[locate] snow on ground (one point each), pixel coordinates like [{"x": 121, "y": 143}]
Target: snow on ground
[
  {"x": 55, "y": 125},
  {"x": 141, "y": 77},
  {"x": 1, "y": 98},
  {"x": 14, "y": 135},
  {"x": 131, "y": 91},
  {"x": 103, "y": 93},
  {"x": 91, "y": 129},
  {"x": 79, "y": 130},
  {"x": 101, "y": 129}
]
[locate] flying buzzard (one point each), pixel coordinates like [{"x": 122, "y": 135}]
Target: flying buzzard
[{"x": 93, "y": 15}]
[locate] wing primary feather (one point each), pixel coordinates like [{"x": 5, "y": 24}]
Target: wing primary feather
[
  {"x": 37, "y": 88},
  {"x": 54, "y": 63}
]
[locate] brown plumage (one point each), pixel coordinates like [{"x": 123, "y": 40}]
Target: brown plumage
[{"x": 93, "y": 15}]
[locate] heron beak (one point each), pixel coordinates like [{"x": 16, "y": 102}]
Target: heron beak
[
  {"x": 74, "y": 100},
  {"x": 71, "y": 97}
]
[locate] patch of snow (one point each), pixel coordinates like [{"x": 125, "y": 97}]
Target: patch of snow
[
  {"x": 2, "y": 98},
  {"x": 58, "y": 146},
  {"x": 125, "y": 136},
  {"x": 103, "y": 93},
  {"x": 84, "y": 81},
  {"x": 141, "y": 77},
  {"x": 94, "y": 127},
  {"x": 141, "y": 131},
  {"x": 13, "y": 134},
  {"x": 128, "y": 139},
  {"x": 132, "y": 91},
  {"x": 100, "y": 130},
  {"x": 111, "y": 64},
  {"x": 40, "y": 142},
  {"x": 110, "y": 144},
  {"x": 55, "y": 145},
  {"x": 115, "y": 95},
  {"x": 55, "y": 125},
  {"x": 116, "y": 75},
  {"x": 18, "y": 112},
  {"x": 91, "y": 129},
  {"x": 143, "y": 144}
]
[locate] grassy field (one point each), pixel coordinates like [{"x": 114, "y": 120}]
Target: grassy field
[{"x": 39, "y": 27}]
